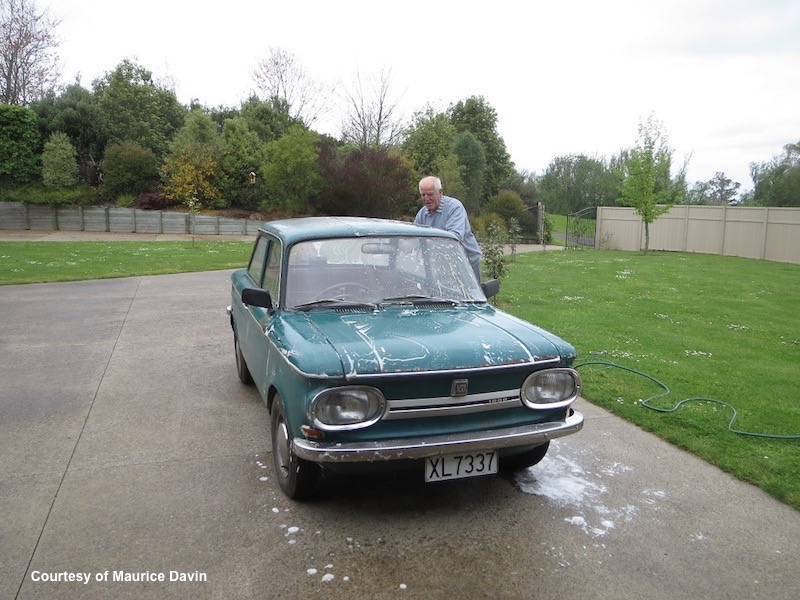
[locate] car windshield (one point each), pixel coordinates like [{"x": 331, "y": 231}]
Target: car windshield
[{"x": 373, "y": 271}]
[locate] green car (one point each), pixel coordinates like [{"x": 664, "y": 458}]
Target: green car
[{"x": 373, "y": 345}]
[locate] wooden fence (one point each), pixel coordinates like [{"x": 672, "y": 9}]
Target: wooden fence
[{"x": 767, "y": 233}]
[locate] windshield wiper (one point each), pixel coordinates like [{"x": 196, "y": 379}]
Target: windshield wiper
[
  {"x": 334, "y": 303},
  {"x": 418, "y": 298}
]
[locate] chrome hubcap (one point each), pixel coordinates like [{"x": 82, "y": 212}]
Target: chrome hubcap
[{"x": 282, "y": 448}]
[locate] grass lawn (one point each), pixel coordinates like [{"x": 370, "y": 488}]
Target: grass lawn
[
  {"x": 35, "y": 262},
  {"x": 722, "y": 328}
]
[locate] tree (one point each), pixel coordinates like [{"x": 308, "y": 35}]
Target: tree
[
  {"x": 493, "y": 242},
  {"x": 242, "y": 153},
  {"x": 291, "y": 175},
  {"x": 777, "y": 182},
  {"x": 574, "y": 182},
  {"x": 479, "y": 118},
  {"x": 525, "y": 184},
  {"x": 281, "y": 77},
  {"x": 137, "y": 109},
  {"x": 269, "y": 120},
  {"x": 28, "y": 61},
  {"x": 371, "y": 182},
  {"x": 429, "y": 140},
  {"x": 77, "y": 113},
  {"x": 191, "y": 170},
  {"x": 19, "y": 140},
  {"x": 646, "y": 184},
  {"x": 129, "y": 169},
  {"x": 371, "y": 118},
  {"x": 59, "y": 162},
  {"x": 718, "y": 191},
  {"x": 472, "y": 159},
  {"x": 508, "y": 205}
]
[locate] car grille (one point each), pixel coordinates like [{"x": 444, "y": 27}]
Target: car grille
[{"x": 452, "y": 405}]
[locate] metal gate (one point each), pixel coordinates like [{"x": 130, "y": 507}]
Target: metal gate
[{"x": 581, "y": 228}]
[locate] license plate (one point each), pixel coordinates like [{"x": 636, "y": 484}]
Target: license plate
[{"x": 458, "y": 466}]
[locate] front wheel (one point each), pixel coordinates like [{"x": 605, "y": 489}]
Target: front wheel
[
  {"x": 526, "y": 459},
  {"x": 298, "y": 478},
  {"x": 241, "y": 366}
]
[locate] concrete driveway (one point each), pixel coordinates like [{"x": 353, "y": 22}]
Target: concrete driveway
[{"x": 130, "y": 453}]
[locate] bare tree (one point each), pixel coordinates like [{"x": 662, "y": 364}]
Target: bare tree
[
  {"x": 28, "y": 61},
  {"x": 280, "y": 75},
  {"x": 371, "y": 119}
]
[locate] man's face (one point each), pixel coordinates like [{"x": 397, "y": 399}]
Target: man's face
[{"x": 430, "y": 197}]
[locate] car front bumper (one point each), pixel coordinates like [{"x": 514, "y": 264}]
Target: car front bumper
[{"x": 416, "y": 448}]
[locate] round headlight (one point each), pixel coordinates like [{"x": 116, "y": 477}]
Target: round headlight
[
  {"x": 347, "y": 408},
  {"x": 551, "y": 388}
]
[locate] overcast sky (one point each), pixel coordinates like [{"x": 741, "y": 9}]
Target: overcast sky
[{"x": 565, "y": 77}]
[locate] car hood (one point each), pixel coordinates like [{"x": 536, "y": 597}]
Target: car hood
[{"x": 331, "y": 343}]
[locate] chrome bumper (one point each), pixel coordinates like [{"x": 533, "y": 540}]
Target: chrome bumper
[{"x": 414, "y": 448}]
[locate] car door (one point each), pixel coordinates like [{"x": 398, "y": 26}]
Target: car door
[{"x": 265, "y": 272}]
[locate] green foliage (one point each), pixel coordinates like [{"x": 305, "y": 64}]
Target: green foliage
[
  {"x": 77, "y": 113},
  {"x": 126, "y": 200},
  {"x": 188, "y": 178},
  {"x": 472, "y": 158},
  {"x": 80, "y": 195},
  {"x": 268, "y": 120},
  {"x": 242, "y": 153},
  {"x": 137, "y": 109},
  {"x": 777, "y": 182},
  {"x": 718, "y": 191},
  {"x": 646, "y": 184},
  {"x": 525, "y": 184},
  {"x": 509, "y": 205},
  {"x": 191, "y": 171},
  {"x": 128, "y": 168},
  {"x": 19, "y": 139},
  {"x": 370, "y": 182},
  {"x": 493, "y": 242},
  {"x": 574, "y": 182},
  {"x": 292, "y": 175},
  {"x": 428, "y": 141},
  {"x": 59, "y": 163},
  {"x": 479, "y": 118},
  {"x": 549, "y": 225}
]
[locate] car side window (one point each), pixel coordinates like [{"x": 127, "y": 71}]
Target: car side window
[
  {"x": 256, "y": 267},
  {"x": 272, "y": 272}
]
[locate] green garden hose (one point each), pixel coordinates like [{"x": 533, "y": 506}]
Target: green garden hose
[{"x": 667, "y": 391}]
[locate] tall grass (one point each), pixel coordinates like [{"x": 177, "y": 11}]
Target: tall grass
[{"x": 722, "y": 328}]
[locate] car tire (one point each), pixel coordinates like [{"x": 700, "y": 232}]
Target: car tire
[
  {"x": 298, "y": 478},
  {"x": 526, "y": 459},
  {"x": 241, "y": 366}
]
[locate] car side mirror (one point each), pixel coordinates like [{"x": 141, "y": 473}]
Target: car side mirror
[
  {"x": 257, "y": 297},
  {"x": 491, "y": 288}
]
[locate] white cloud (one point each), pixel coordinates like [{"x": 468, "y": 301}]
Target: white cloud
[{"x": 575, "y": 76}]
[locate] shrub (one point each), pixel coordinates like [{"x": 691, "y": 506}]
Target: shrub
[
  {"x": 59, "y": 162},
  {"x": 128, "y": 168},
  {"x": 19, "y": 138},
  {"x": 153, "y": 201}
]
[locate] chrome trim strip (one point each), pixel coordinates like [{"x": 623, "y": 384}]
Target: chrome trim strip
[
  {"x": 423, "y": 447},
  {"x": 451, "y": 411},
  {"x": 452, "y": 405}
]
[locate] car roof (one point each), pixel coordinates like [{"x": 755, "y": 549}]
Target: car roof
[{"x": 310, "y": 228}]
